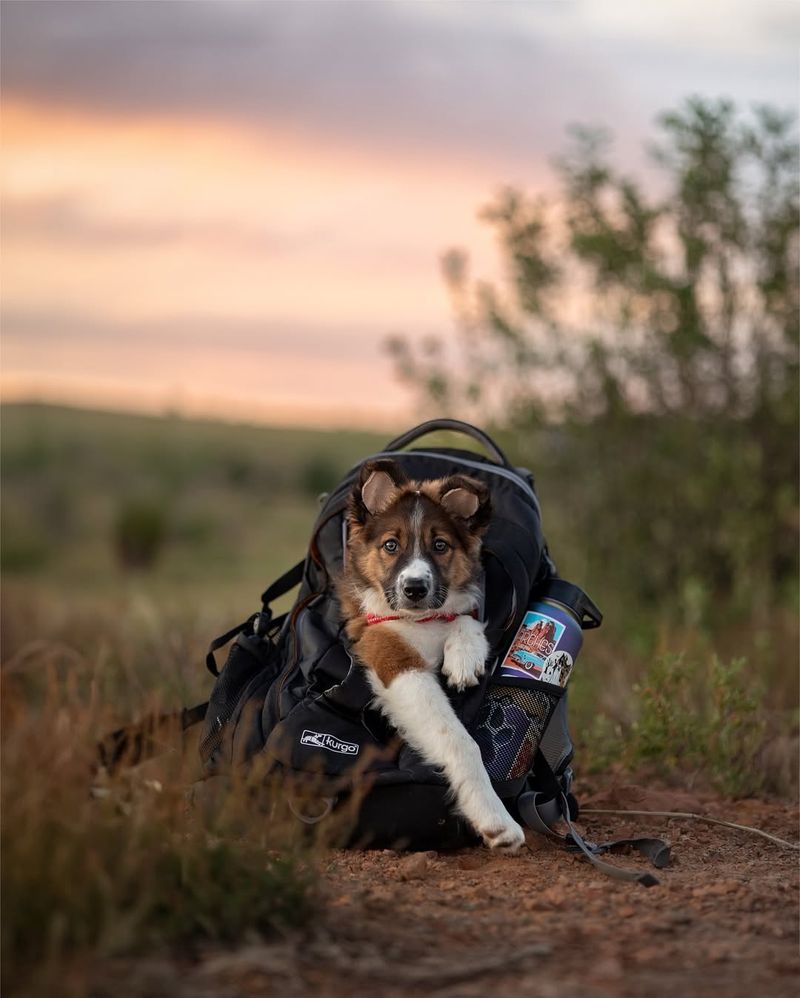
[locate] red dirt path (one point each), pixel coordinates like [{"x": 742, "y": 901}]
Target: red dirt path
[{"x": 723, "y": 922}]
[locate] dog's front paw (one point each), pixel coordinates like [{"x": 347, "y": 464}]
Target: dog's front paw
[
  {"x": 465, "y": 654},
  {"x": 504, "y": 836}
]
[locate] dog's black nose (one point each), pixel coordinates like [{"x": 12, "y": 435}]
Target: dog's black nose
[{"x": 415, "y": 589}]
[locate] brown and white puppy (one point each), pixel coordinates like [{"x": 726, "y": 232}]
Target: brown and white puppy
[{"x": 408, "y": 595}]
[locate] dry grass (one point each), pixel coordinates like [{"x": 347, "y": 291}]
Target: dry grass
[{"x": 94, "y": 866}]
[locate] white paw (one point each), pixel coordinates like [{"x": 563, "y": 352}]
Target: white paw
[
  {"x": 491, "y": 820},
  {"x": 504, "y": 836},
  {"x": 465, "y": 654}
]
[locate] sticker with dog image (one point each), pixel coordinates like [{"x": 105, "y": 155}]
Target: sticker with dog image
[{"x": 557, "y": 668}]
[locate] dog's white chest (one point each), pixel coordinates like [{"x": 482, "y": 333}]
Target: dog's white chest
[{"x": 426, "y": 639}]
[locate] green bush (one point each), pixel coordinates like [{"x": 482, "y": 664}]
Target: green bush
[
  {"x": 23, "y": 551},
  {"x": 319, "y": 474},
  {"x": 239, "y": 471},
  {"x": 695, "y": 721},
  {"x": 140, "y": 530}
]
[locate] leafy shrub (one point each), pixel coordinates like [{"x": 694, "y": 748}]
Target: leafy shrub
[
  {"x": 195, "y": 529},
  {"x": 23, "y": 551},
  {"x": 140, "y": 530},
  {"x": 318, "y": 475},
  {"x": 737, "y": 727},
  {"x": 239, "y": 471},
  {"x": 693, "y": 720}
]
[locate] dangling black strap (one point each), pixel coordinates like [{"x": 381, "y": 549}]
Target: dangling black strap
[
  {"x": 283, "y": 584},
  {"x": 575, "y": 842},
  {"x": 223, "y": 639},
  {"x": 138, "y": 741},
  {"x": 656, "y": 850},
  {"x": 538, "y": 811},
  {"x": 261, "y": 621},
  {"x": 193, "y": 715}
]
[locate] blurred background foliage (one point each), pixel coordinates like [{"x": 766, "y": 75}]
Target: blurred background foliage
[{"x": 642, "y": 359}]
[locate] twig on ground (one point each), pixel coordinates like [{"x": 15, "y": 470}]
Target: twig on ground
[{"x": 696, "y": 817}]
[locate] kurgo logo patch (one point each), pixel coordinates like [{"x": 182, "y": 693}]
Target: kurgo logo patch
[{"x": 321, "y": 739}]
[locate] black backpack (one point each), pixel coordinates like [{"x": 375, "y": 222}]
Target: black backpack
[{"x": 291, "y": 694}]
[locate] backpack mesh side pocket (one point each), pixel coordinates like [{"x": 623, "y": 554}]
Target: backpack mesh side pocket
[{"x": 510, "y": 725}]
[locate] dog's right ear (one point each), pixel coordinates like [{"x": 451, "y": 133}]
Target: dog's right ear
[{"x": 377, "y": 485}]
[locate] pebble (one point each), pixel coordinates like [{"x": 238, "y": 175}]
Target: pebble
[
  {"x": 647, "y": 954},
  {"x": 381, "y": 895},
  {"x": 717, "y": 889},
  {"x": 414, "y": 867},
  {"x": 608, "y": 969},
  {"x": 472, "y": 861}
]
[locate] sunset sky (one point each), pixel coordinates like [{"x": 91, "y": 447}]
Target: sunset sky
[{"x": 226, "y": 207}]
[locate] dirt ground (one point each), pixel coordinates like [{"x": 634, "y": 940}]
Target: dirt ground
[{"x": 723, "y": 921}]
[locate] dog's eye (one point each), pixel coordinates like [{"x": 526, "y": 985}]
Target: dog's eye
[
  {"x": 440, "y": 545},
  {"x": 391, "y": 546}
]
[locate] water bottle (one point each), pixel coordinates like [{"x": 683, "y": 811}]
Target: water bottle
[
  {"x": 551, "y": 635},
  {"x": 529, "y": 684}
]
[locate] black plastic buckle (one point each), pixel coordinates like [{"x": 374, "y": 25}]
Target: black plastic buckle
[{"x": 262, "y": 622}]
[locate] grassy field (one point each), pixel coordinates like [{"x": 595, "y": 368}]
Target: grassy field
[
  {"x": 236, "y": 502},
  {"x": 127, "y": 543}
]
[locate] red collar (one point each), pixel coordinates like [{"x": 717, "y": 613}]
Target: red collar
[{"x": 373, "y": 618}]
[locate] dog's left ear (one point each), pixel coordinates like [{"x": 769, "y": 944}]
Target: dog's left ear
[
  {"x": 466, "y": 499},
  {"x": 378, "y": 485}
]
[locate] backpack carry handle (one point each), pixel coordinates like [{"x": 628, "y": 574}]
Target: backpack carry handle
[{"x": 455, "y": 426}]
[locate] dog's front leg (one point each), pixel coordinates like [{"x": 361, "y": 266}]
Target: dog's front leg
[
  {"x": 465, "y": 652},
  {"x": 410, "y": 695}
]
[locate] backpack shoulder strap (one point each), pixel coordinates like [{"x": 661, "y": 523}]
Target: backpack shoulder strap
[
  {"x": 261, "y": 621},
  {"x": 282, "y": 585}
]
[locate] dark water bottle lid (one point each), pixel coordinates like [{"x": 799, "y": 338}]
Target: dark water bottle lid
[{"x": 574, "y": 599}]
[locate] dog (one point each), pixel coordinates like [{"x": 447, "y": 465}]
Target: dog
[{"x": 408, "y": 595}]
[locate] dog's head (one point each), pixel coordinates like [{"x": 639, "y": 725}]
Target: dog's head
[{"x": 414, "y": 545}]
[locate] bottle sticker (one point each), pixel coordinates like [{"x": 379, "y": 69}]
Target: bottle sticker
[{"x": 545, "y": 648}]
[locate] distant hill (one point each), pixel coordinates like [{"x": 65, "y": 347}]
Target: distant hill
[{"x": 235, "y": 499}]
